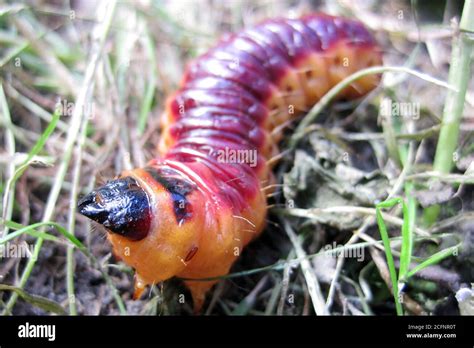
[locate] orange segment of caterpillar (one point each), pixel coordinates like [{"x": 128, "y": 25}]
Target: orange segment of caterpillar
[{"x": 191, "y": 211}]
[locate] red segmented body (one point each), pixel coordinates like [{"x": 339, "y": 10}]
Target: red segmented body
[{"x": 230, "y": 101}]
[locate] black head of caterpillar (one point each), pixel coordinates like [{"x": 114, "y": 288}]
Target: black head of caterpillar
[{"x": 121, "y": 206}]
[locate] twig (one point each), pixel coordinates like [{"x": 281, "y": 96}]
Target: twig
[
  {"x": 314, "y": 213},
  {"x": 309, "y": 274},
  {"x": 284, "y": 284},
  {"x": 76, "y": 174}
]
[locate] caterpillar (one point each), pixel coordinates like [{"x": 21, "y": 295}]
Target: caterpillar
[{"x": 193, "y": 208}]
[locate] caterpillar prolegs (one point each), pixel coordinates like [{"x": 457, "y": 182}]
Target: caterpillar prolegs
[{"x": 191, "y": 210}]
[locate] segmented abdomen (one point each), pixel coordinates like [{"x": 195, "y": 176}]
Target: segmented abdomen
[{"x": 234, "y": 96}]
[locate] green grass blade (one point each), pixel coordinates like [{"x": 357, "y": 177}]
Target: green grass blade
[
  {"x": 36, "y": 148},
  {"x": 434, "y": 259},
  {"x": 388, "y": 251},
  {"x": 31, "y": 232},
  {"x": 409, "y": 216},
  {"x": 44, "y": 137},
  {"x": 37, "y": 301},
  {"x": 26, "y": 229}
]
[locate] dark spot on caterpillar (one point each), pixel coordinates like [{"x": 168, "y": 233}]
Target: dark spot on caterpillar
[
  {"x": 191, "y": 253},
  {"x": 121, "y": 206},
  {"x": 178, "y": 189}
]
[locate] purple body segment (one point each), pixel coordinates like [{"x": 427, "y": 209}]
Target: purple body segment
[
  {"x": 221, "y": 106},
  {"x": 230, "y": 70},
  {"x": 242, "y": 102}
]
